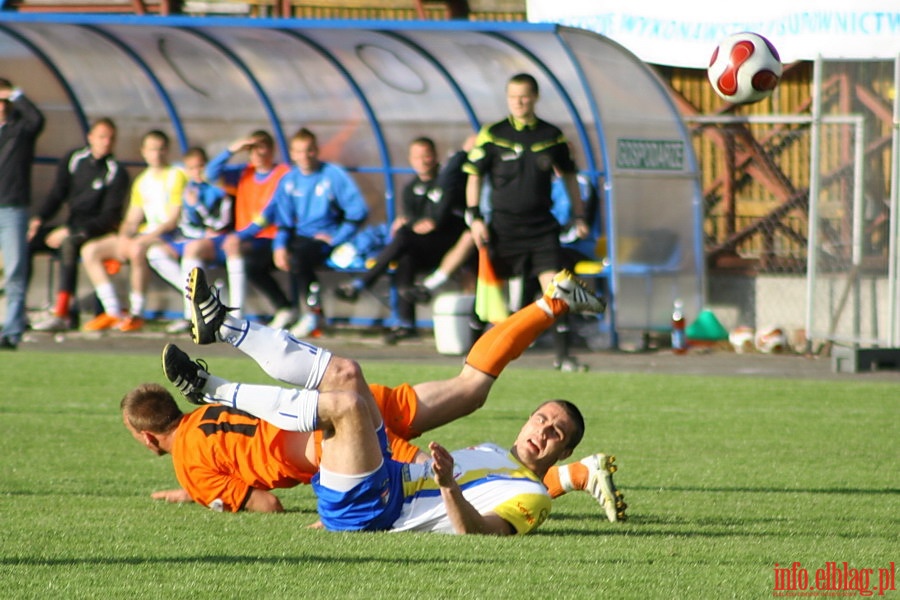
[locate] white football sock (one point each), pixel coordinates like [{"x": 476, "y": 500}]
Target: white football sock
[
  {"x": 277, "y": 352},
  {"x": 435, "y": 280},
  {"x": 287, "y": 409},
  {"x": 136, "y": 302},
  {"x": 106, "y": 293},
  {"x": 237, "y": 284}
]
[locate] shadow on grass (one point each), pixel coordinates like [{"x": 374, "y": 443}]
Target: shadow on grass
[
  {"x": 223, "y": 560},
  {"x": 655, "y": 525},
  {"x": 758, "y": 490}
]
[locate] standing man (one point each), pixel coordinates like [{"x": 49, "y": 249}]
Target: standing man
[
  {"x": 518, "y": 156},
  {"x": 95, "y": 186},
  {"x": 429, "y": 223},
  {"x": 20, "y": 124},
  {"x": 316, "y": 207}
]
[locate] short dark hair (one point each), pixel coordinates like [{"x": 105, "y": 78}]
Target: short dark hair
[
  {"x": 150, "y": 407},
  {"x": 305, "y": 134},
  {"x": 104, "y": 121},
  {"x": 156, "y": 134},
  {"x": 575, "y": 414},
  {"x": 261, "y": 136},
  {"x": 196, "y": 151},
  {"x": 527, "y": 79},
  {"x": 424, "y": 141}
]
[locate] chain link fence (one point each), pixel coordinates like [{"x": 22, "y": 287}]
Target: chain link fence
[{"x": 821, "y": 270}]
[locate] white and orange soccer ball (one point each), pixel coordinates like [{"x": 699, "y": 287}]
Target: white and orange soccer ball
[
  {"x": 742, "y": 339},
  {"x": 744, "y": 68},
  {"x": 771, "y": 340}
]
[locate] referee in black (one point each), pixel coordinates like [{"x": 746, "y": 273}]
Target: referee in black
[{"x": 518, "y": 157}]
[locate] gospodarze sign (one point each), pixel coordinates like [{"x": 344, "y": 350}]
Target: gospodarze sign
[
  {"x": 684, "y": 34},
  {"x": 650, "y": 155}
]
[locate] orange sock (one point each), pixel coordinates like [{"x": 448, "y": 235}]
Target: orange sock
[
  {"x": 566, "y": 478},
  {"x": 507, "y": 340},
  {"x": 62, "y": 304}
]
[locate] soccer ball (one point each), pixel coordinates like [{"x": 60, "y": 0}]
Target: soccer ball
[
  {"x": 744, "y": 67},
  {"x": 741, "y": 339},
  {"x": 771, "y": 340}
]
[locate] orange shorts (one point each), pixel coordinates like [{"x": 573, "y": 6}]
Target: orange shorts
[{"x": 398, "y": 409}]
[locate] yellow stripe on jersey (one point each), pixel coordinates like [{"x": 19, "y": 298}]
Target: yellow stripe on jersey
[
  {"x": 491, "y": 480},
  {"x": 525, "y": 511}
]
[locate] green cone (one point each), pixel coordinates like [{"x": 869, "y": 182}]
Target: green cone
[{"x": 706, "y": 327}]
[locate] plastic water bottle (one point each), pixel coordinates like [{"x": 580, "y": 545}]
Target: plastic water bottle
[
  {"x": 679, "y": 335},
  {"x": 314, "y": 304}
]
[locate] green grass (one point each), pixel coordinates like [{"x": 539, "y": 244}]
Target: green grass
[{"x": 724, "y": 477}]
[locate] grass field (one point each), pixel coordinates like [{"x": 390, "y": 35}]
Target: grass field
[{"x": 724, "y": 477}]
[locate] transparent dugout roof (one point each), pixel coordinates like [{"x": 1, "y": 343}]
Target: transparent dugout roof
[{"x": 366, "y": 88}]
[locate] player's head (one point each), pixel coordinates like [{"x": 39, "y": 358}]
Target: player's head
[
  {"x": 262, "y": 150},
  {"x": 101, "y": 137},
  {"x": 195, "y": 160},
  {"x": 149, "y": 410},
  {"x": 522, "y": 96},
  {"x": 155, "y": 148},
  {"x": 304, "y": 150},
  {"x": 423, "y": 156},
  {"x": 551, "y": 433}
]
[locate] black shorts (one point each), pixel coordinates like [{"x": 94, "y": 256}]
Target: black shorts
[{"x": 528, "y": 256}]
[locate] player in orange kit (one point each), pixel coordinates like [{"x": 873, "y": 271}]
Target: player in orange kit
[{"x": 228, "y": 460}]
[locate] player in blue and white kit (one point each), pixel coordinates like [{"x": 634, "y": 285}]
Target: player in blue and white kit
[
  {"x": 317, "y": 207},
  {"x": 484, "y": 489}
]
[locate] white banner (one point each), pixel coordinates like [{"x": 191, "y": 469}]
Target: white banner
[{"x": 684, "y": 34}]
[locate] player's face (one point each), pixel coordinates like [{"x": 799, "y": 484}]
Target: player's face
[
  {"x": 520, "y": 100},
  {"x": 155, "y": 152},
  {"x": 194, "y": 167},
  {"x": 422, "y": 159},
  {"x": 101, "y": 140},
  {"x": 305, "y": 154},
  {"x": 261, "y": 154},
  {"x": 544, "y": 438}
]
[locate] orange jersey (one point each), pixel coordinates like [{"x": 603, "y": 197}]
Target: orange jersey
[
  {"x": 252, "y": 196},
  {"x": 221, "y": 453}
]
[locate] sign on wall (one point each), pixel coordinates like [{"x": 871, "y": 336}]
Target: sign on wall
[{"x": 684, "y": 34}]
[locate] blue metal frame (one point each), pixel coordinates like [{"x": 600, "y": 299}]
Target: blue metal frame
[
  {"x": 597, "y": 158},
  {"x": 367, "y": 107},
  {"x": 254, "y": 83},
  {"x": 154, "y": 81},
  {"x": 79, "y": 111},
  {"x": 457, "y": 90}
]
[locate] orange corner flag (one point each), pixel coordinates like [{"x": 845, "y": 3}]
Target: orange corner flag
[{"x": 490, "y": 305}]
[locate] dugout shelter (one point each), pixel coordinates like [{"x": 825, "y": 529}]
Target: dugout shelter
[{"x": 366, "y": 88}]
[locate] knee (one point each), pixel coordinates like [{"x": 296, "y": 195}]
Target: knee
[
  {"x": 137, "y": 253},
  {"x": 343, "y": 374},
  {"x": 89, "y": 253},
  {"x": 231, "y": 245},
  {"x": 192, "y": 250}
]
